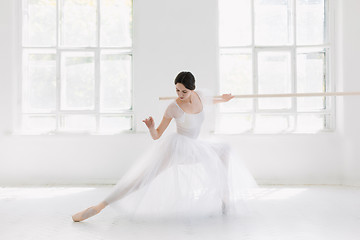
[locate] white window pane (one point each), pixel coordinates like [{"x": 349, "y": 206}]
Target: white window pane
[
  {"x": 311, "y": 78},
  {"x": 78, "y": 81},
  {"x": 311, "y": 103},
  {"x": 79, "y": 20},
  {"x": 310, "y": 22},
  {"x": 115, "y": 123},
  {"x": 116, "y": 22},
  {"x": 310, "y": 123},
  {"x": 273, "y": 124},
  {"x": 274, "y": 76},
  {"x": 235, "y": 22},
  {"x": 236, "y": 78},
  {"x": 116, "y": 87},
  {"x": 34, "y": 123},
  {"x": 78, "y": 123},
  {"x": 39, "y": 19},
  {"x": 273, "y": 25},
  {"x": 39, "y": 82},
  {"x": 233, "y": 123}
]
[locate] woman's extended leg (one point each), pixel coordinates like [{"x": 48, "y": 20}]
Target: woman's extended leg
[{"x": 124, "y": 188}]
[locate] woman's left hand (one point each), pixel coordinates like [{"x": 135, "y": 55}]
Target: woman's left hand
[{"x": 227, "y": 97}]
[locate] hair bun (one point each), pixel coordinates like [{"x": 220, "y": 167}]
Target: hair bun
[{"x": 187, "y": 79}]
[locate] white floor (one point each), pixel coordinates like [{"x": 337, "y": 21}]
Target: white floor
[{"x": 278, "y": 212}]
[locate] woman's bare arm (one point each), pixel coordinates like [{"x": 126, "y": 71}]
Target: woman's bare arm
[{"x": 156, "y": 133}]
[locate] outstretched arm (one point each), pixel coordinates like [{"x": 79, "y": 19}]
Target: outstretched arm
[
  {"x": 156, "y": 133},
  {"x": 224, "y": 98}
]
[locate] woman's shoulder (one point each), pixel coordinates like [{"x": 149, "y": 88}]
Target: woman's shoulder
[
  {"x": 200, "y": 93},
  {"x": 173, "y": 103},
  {"x": 172, "y": 110}
]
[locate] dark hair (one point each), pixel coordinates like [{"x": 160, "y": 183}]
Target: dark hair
[{"x": 187, "y": 79}]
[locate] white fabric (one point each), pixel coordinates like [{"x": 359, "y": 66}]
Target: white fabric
[
  {"x": 183, "y": 175},
  {"x": 186, "y": 124}
]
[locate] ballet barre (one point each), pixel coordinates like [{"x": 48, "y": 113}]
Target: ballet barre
[{"x": 282, "y": 95}]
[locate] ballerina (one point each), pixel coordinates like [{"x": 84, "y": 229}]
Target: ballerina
[{"x": 198, "y": 173}]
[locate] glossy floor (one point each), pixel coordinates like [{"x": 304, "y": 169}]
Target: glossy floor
[{"x": 277, "y": 212}]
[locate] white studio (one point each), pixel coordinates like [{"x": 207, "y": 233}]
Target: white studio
[{"x": 179, "y": 119}]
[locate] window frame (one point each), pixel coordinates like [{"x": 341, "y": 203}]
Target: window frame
[
  {"x": 253, "y": 49},
  {"x": 59, "y": 49}
]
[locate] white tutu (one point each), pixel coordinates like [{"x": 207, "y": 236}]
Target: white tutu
[{"x": 181, "y": 175}]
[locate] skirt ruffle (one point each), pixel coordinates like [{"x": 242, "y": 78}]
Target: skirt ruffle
[{"x": 183, "y": 177}]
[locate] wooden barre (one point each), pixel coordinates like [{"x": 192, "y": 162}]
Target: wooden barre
[{"x": 321, "y": 94}]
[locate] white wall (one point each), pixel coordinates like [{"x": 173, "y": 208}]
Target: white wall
[
  {"x": 350, "y": 60},
  {"x": 171, "y": 36}
]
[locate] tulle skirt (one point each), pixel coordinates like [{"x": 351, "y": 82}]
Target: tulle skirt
[{"x": 181, "y": 176}]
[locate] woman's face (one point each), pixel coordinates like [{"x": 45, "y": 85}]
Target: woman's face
[{"x": 182, "y": 92}]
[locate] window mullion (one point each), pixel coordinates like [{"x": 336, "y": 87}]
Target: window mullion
[
  {"x": 294, "y": 83},
  {"x": 254, "y": 65},
  {"x": 255, "y": 83},
  {"x": 81, "y": 112},
  {"x": 97, "y": 88},
  {"x": 97, "y": 68},
  {"x": 330, "y": 24},
  {"x": 329, "y": 101},
  {"x": 58, "y": 66},
  {"x": 294, "y": 64}
]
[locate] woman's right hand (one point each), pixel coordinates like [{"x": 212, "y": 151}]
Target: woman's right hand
[{"x": 150, "y": 123}]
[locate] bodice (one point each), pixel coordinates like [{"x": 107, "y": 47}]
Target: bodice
[{"x": 189, "y": 124}]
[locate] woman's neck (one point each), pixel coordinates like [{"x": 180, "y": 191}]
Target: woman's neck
[{"x": 189, "y": 100}]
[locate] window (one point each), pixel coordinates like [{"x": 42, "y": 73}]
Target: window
[
  {"x": 76, "y": 66},
  {"x": 275, "y": 46}
]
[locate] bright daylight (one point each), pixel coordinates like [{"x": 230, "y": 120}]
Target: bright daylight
[{"x": 179, "y": 119}]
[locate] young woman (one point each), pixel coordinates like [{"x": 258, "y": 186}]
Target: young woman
[{"x": 181, "y": 174}]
